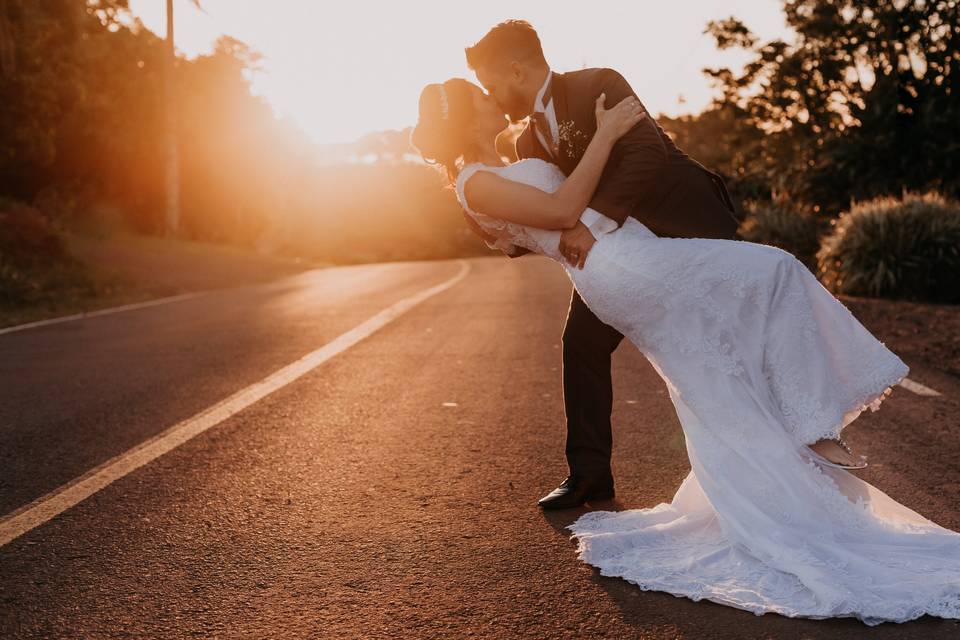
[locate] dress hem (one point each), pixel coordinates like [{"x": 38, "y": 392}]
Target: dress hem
[
  {"x": 871, "y": 402},
  {"x": 908, "y": 613}
]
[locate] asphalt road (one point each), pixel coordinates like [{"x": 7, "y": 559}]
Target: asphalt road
[{"x": 390, "y": 492}]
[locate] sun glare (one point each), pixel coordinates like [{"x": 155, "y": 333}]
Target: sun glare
[{"x": 341, "y": 70}]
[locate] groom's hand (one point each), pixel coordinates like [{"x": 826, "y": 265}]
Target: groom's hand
[{"x": 575, "y": 244}]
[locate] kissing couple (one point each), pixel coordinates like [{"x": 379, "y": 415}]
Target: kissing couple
[{"x": 764, "y": 367}]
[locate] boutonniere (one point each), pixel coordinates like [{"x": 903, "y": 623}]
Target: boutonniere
[{"x": 576, "y": 139}]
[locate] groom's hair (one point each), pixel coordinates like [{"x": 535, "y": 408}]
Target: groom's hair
[{"x": 508, "y": 41}]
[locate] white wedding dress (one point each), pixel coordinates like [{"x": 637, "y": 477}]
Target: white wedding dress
[{"x": 759, "y": 360}]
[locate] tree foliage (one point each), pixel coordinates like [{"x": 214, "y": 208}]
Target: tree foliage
[
  {"x": 863, "y": 101},
  {"x": 81, "y": 135}
]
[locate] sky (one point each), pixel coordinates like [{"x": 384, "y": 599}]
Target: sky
[{"x": 342, "y": 69}]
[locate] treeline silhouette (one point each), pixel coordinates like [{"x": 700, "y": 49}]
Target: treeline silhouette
[
  {"x": 862, "y": 103},
  {"x": 81, "y": 121},
  {"x": 826, "y": 141}
]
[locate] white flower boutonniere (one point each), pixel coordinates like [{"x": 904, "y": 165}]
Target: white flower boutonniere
[{"x": 576, "y": 139}]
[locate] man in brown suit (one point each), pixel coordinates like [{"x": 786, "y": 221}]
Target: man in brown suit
[{"x": 646, "y": 177}]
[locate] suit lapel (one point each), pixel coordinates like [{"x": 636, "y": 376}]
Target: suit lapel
[
  {"x": 528, "y": 145},
  {"x": 559, "y": 90}
]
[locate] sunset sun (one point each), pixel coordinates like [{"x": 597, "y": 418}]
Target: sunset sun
[{"x": 343, "y": 69}]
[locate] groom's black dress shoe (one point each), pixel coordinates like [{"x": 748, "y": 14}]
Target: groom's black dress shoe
[{"x": 574, "y": 491}]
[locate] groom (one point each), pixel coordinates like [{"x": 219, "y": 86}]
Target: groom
[{"x": 647, "y": 177}]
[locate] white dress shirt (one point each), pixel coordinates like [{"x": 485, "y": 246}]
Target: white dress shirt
[
  {"x": 593, "y": 220},
  {"x": 549, "y": 112}
]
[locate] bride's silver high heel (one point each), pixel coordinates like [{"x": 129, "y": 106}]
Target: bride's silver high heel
[{"x": 822, "y": 460}]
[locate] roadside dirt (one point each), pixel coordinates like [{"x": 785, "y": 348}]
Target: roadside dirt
[{"x": 915, "y": 331}]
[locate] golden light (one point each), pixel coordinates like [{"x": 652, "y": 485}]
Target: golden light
[{"x": 344, "y": 69}]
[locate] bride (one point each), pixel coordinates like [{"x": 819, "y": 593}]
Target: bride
[{"x": 760, "y": 361}]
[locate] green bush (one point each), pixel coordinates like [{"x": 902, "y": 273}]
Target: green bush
[
  {"x": 786, "y": 226},
  {"x": 34, "y": 262},
  {"x": 897, "y": 248}
]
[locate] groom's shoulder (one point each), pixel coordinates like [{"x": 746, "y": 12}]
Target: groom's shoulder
[{"x": 593, "y": 75}]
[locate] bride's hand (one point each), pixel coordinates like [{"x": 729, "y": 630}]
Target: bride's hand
[{"x": 618, "y": 120}]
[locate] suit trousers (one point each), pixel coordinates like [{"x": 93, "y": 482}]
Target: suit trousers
[{"x": 588, "y": 345}]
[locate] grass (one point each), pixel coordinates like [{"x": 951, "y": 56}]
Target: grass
[
  {"x": 903, "y": 248},
  {"x": 790, "y": 227}
]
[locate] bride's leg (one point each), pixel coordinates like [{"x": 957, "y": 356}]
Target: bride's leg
[{"x": 808, "y": 345}]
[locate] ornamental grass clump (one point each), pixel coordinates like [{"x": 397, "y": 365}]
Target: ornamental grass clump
[
  {"x": 784, "y": 225},
  {"x": 905, "y": 248}
]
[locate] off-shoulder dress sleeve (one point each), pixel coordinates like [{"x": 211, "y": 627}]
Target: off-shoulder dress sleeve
[{"x": 494, "y": 226}]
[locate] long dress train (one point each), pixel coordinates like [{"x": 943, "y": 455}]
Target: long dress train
[{"x": 760, "y": 361}]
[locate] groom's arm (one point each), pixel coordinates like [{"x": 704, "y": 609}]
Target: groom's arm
[{"x": 636, "y": 162}]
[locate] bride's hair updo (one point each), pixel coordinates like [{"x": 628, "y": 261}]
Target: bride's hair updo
[{"x": 443, "y": 133}]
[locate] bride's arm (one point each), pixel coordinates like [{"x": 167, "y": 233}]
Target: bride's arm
[{"x": 499, "y": 197}]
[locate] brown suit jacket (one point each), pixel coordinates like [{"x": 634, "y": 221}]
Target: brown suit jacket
[{"x": 647, "y": 176}]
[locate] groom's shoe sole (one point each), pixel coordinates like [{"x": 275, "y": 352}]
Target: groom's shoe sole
[
  {"x": 574, "y": 498},
  {"x": 601, "y": 495}
]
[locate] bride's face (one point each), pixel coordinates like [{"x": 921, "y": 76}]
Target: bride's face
[{"x": 488, "y": 119}]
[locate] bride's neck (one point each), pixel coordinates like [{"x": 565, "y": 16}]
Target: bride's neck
[{"x": 486, "y": 154}]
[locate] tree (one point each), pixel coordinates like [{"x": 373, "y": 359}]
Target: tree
[{"x": 864, "y": 102}]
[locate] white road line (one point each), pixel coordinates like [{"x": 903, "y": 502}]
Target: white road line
[
  {"x": 59, "y": 500},
  {"x": 917, "y": 388},
  {"x": 103, "y": 312}
]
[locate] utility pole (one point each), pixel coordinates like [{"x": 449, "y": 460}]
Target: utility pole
[{"x": 172, "y": 159}]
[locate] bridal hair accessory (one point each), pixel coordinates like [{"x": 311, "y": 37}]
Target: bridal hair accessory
[{"x": 444, "y": 104}]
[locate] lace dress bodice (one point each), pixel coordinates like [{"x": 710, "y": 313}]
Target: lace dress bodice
[{"x": 531, "y": 171}]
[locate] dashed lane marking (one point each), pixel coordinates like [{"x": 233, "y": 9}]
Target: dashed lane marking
[{"x": 917, "y": 388}]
